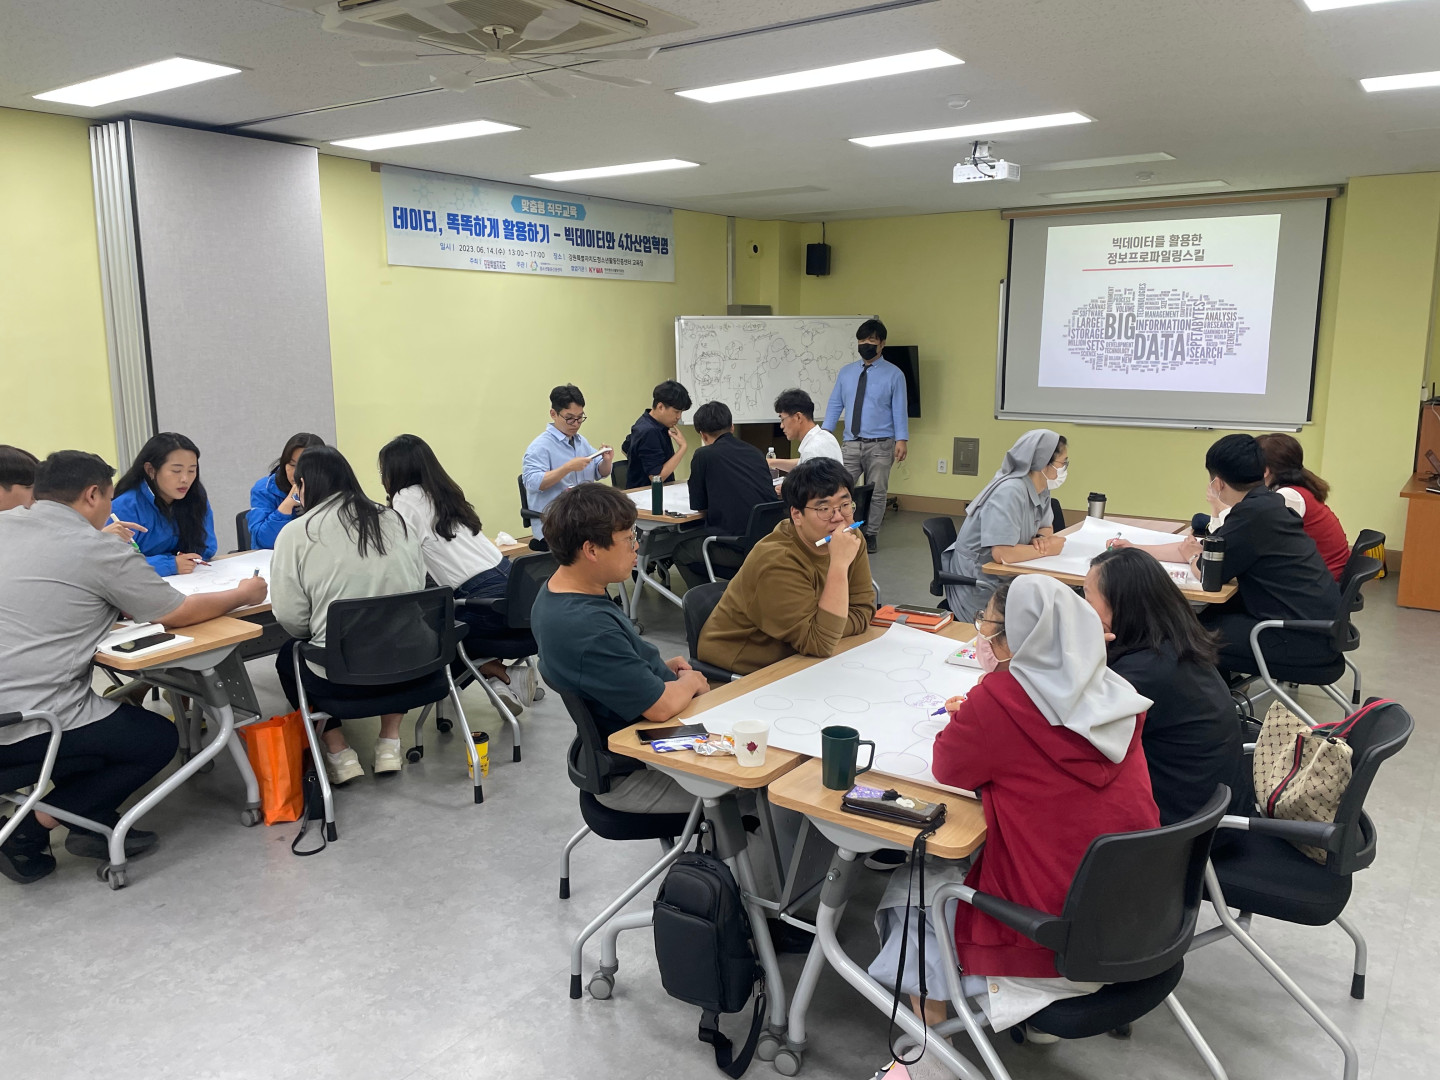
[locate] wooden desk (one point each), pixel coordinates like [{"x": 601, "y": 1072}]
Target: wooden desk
[
  {"x": 642, "y": 514},
  {"x": 964, "y": 829},
  {"x": 1420, "y": 571},
  {"x": 215, "y": 634},
  {"x": 517, "y": 549}
]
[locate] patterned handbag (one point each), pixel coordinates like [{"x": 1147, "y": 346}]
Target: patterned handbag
[{"x": 1301, "y": 772}]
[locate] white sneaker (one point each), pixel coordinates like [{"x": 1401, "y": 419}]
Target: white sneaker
[
  {"x": 387, "y": 756},
  {"x": 1038, "y": 1037},
  {"x": 522, "y": 678},
  {"x": 508, "y": 694},
  {"x": 343, "y": 767}
]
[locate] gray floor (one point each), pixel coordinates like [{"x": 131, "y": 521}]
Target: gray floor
[{"x": 428, "y": 942}]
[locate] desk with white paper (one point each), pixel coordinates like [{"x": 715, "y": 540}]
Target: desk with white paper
[
  {"x": 226, "y": 573},
  {"x": 888, "y": 689},
  {"x": 677, "y": 499}
]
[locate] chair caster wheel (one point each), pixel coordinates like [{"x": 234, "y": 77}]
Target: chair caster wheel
[
  {"x": 331, "y": 833},
  {"x": 443, "y": 724},
  {"x": 414, "y": 754},
  {"x": 250, "y": 817},
  {"x": 767, "y": 1046},
  {"x": 114, "y": 876},
  {"x": 639, "y": 627},
  {"x": 1121, "y": 1032},
  {"x": 209, "y": 766},
  {"x": 539, "y": 694},
  {"x": 787, "y": 1062},
  {"x": 1017, "y": 1034},
  {"x": 601, "y": 986}
]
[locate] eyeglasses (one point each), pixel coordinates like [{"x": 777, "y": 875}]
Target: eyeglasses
[
  {"x": 827, "y": 510},
  {"x": 981, "y": 622},
  {"x": 635, "y": 539},
  {"x": 574, "y": 419}
]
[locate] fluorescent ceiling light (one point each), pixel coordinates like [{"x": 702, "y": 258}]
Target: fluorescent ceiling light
[
  {"x": 1331, "y": 5},
  {"x": 443, "y": 133},
  {"x": 876, "y": 68},
  {"x": 137, "y": 82},
  {"x": 1143, "y": 189},
  {"x": 974, "y": 131},
  {"x": 1100, "y": 162},
  {"x": 616, "y": 170},
  {"x": 1402, "y": 82}
]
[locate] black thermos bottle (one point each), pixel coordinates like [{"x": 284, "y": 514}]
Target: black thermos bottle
[{"x": 1212, "y": 563}]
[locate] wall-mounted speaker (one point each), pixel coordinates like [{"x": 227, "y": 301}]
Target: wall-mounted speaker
[{"x": 817, "y": 260}]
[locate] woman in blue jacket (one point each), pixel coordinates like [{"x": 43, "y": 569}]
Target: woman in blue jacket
[
  {"x": 162, "y": 491},
  {"x": 273, "y": 504}
]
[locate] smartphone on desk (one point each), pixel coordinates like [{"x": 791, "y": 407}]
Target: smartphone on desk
[
  {"x": 676, "y": 731},
  {"x": 915, "y": 609},
  {"x": 146, "y": 642}
]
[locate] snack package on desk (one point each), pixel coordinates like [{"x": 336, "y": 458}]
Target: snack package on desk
[{"x": 965, "y": 656}]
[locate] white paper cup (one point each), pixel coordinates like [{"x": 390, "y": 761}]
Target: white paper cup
[{"x": 751, "y": 737}]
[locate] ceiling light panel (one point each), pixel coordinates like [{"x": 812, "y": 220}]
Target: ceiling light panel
[
  {"x": 1142, "y": 190},
  {"x": 1401, "y": 82},
  {"x": 443, "y": 133},
  {"x": 616, "y": 170},
  {"x": 1332, "y": 5},
  {"x": 137, "y": 82},
  {"x": 1100, "y": 162},
  {"x": 974, "y": 131},
  {"x": 877, "y": 68}
]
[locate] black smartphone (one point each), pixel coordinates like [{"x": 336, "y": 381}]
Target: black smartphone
[
  {"x": 915, "y": 609},
  {"x": 143, "y": 643},
  {"x": 676, "y": 731}
]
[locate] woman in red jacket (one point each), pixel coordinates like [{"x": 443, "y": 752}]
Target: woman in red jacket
[
  {"x": 1305, "y": 493},
  {"x": 1050, "y": 739}
]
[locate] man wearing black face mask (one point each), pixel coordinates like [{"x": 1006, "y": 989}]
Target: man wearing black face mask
[{"x": 871, "y": 394}]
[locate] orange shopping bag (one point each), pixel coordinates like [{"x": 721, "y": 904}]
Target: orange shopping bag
[{"x": 276, "y": 748}]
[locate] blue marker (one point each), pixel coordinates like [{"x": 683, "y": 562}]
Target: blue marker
[{"x": 827, "y": 539}]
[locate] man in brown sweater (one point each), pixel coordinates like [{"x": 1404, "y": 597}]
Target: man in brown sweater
[{"x": 803, "y": 587}]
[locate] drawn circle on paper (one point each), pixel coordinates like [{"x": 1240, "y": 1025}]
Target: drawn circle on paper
[
  {"x": 929, "y": 729},
  {"x": 796, "y": 725},
  {"x": 842, "y": 703},
  {"x": 853, "y": 665},
  {"x": 908, "y": 674},
  {"x": 927, "y": 701},
  {"x": 772, "y": 702},
  {"x": 901, "y": 764},
  {"x": 916, "y": 650}
]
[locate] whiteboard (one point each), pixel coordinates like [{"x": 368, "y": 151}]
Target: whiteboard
[{"x": 746, "y": 362}]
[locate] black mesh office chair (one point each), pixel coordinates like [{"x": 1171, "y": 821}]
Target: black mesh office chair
[
  {"x": 394, "y": 651},
  {"x": 763, "y": 519},
  {"x": 527, "y": 516},
  {"x": 1339, "y": 633},
  {"x": 593, "y": 768},
  {"x": 528, "y": 575},
  {"x": 1256, "y": 868},
  {"x": 940, "y": 534},
  {"x": 1368, "y": 540},
  {"x": 1057, "y": 516},
  {"x": 1128, "y": 920},
  {"x": 242, "y": 531},
  {"x": 862, "y": 495},
  {"x": 696, "y": 605},
  {"x": 620, "y": 473}
]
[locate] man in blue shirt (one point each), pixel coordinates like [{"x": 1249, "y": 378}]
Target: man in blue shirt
[
  {"x": 871, "y": 394},
  {"x": 655, "y": 444},
  {"x": 560, "y": 458}
]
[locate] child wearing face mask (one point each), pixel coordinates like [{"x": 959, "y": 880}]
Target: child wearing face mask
[{"x": 1010, "y": 521}]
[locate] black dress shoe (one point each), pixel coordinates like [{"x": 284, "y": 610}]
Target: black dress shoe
[
  {"x": 92, "y": 845},
  {"x": 872, "y": 543},
  {"x": 24, "y": 859}
]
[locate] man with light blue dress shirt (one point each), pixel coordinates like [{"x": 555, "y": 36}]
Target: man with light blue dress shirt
[
  {"x": 871, "y": 394},
  {"x": 560, "y": 458}
]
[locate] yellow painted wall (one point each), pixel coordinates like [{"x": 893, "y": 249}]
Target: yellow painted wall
[
  {"x": 466, "y": 360},
  {"x": 54, "y": 369}
]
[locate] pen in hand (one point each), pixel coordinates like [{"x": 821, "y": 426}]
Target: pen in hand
[{"x": 831, "y": 536}]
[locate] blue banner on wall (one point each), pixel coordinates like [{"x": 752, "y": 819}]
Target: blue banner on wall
[{"x": 462, "y": 223}]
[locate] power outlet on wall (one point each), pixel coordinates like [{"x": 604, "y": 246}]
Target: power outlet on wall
[{"x": 941, "y": 467}]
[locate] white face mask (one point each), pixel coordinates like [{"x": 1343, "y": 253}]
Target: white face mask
[{"x": 1059, "y": 477}]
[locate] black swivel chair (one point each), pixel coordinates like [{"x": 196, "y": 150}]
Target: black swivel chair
[
  {"x": 1057, "y": 516},
  {"x": 528, "y": 575},
  {"x": 242, "y": 531},
  {"x": 1128, "y": 920},
  {"x": 527, "y": 516},
  {"x": 862, "y": 495},
  {"x": 620, "y": 473},
  {"x": 696, "y": 605},
  {"x": 593, "y": 768},
  {"x": 940, "y": 534},
  {"x": 763, "y": 519},
  {"x": 395, "y": 651},
  {"x": 1368, "y": 540},
  {"x": 1256, "y": 868},
  {"x": 1339, "y": 633}
]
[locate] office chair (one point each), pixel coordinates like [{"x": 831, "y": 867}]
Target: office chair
[
  {"x": 940, "y": 534},
  {"x": 37, "y": 778},
  {"x": 1366, "y": 541},
  {"x": 763, "y": 519},
  {"x": 1057, "y": 516},
  {"x": 863, "y": 495},
  {"x": 619, "y": 473},
  {"x": 1257, "y": 869},
  {"x": 528, "y": 576},
  {"x": 242, "y": 531},
  {"x": 696, "y": 605},
  {"x": 400, "y": 647},
  {"x": 527, "y": 516},
  {"x": 1128, "y": 920}
]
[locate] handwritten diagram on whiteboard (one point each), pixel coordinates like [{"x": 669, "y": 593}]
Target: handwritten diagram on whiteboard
[{"x": 747, "y": 362}]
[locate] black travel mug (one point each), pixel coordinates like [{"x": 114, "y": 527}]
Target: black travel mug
[{"x": 1212, "y": 563}]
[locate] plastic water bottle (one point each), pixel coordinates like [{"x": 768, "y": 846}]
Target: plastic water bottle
[{"x": 770, "y": 459}]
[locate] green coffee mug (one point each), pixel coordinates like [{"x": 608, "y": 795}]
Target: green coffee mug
[{"x": 839, "y": 754}]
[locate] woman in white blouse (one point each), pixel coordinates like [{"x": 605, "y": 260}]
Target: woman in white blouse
[{"x": 457, "y": 554}]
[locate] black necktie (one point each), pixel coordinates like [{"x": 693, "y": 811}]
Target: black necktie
[{"x": 858, "y": 409}]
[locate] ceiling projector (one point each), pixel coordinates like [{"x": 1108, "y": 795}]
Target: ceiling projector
[{"x": 981, "y": 166}]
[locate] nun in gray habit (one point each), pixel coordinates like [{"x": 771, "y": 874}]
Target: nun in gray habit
[{"x": 1011, "y": 511}]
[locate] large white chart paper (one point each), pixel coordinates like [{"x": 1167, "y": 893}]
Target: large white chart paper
[
  {"x": 1090, "y": 540},
  {"x": 223, "y": 573},
  {"x": 887, "y": 689},
  {"x": 677, "y": 499}
]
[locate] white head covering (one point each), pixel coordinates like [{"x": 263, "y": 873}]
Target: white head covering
[
  {"x": 1032, "y": 451},
  {"x": 1058, "y": 656}
]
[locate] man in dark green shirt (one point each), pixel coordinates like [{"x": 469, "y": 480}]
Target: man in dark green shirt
[{"x": 589, "y": 647}]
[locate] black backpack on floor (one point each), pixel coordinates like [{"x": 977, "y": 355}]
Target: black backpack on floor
[{"x": 705, "y": 953}]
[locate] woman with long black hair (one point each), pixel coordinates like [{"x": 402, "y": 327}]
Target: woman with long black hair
[
  {"x": 162, "y": 493},
  {"x": 274, "y": 501},
  {"x": 344, "y": 547},
  {"x": 457, "y": 553}
]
